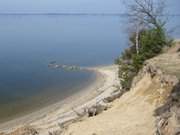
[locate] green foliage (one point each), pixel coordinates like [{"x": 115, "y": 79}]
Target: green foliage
[
  {"x": 151, "y": 43},
  {"x": 126, "y": 74}
]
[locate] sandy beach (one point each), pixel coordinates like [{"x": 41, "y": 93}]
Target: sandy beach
[{"x": 49, "y": 118}]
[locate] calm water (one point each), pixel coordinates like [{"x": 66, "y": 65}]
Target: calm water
[{"x": 29, "y": 42}]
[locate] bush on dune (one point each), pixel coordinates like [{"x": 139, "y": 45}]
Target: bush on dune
[{"x": 152, "y": 41}]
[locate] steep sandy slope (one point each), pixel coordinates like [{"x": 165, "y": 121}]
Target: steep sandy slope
[
  {"x": 168, "y": 115},
  {"x": 133, "y": 113}
]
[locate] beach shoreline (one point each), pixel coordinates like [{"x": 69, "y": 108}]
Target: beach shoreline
[{"x": 48, "y": 118}]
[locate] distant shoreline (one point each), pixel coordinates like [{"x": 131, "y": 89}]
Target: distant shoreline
[
  {"x": 78, "y": 14},
  {"x": 50, "y": 115},
  {"x": 70, "y": 14}
]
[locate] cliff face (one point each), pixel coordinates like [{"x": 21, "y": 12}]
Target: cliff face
[
  {"x": 166, "y": 69},
  {"x": 152, "y": 106},
  {"x": 168, "y": 114},
  {"x": 164, "y": 93}
]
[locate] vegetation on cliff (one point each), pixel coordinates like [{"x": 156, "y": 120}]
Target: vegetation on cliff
[{"x": 147, "y": 39}]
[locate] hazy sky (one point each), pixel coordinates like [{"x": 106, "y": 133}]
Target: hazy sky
[
  {"x": 96, "y": 6},
  {"x": 60, "y": 5}
]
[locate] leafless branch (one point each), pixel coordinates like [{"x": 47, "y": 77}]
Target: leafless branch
[
  {"x": 147, "y": 12},
  {"x": 144, "y": 14}
]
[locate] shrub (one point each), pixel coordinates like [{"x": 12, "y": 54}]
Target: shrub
[{"x": 151, "y": 43}]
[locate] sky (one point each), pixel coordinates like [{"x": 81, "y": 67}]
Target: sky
[
  {"x": 173, "y": 6},
  {"x": 93, "y": 6},
  {"x": 71, "y": 6}
]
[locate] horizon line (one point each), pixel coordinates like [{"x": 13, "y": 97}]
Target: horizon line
[
  {"x": 76, "y": 13},
  {"x": 58, "y": 13}
]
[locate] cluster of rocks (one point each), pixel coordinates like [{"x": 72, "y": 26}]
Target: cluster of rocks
[{"x": 54, "y": 65}]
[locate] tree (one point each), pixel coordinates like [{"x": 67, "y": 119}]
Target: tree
[
  {"x": 148, "y": 38},
  {"x": 146, "y": 14}
]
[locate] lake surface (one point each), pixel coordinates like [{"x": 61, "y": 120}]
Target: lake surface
[{"x": 29, "y": 42}]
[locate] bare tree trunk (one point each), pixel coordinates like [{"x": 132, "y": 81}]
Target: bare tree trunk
[{"x": 137, "y": 40}]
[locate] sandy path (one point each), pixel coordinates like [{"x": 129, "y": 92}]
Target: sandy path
[{"x": 132, "y": 114}]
